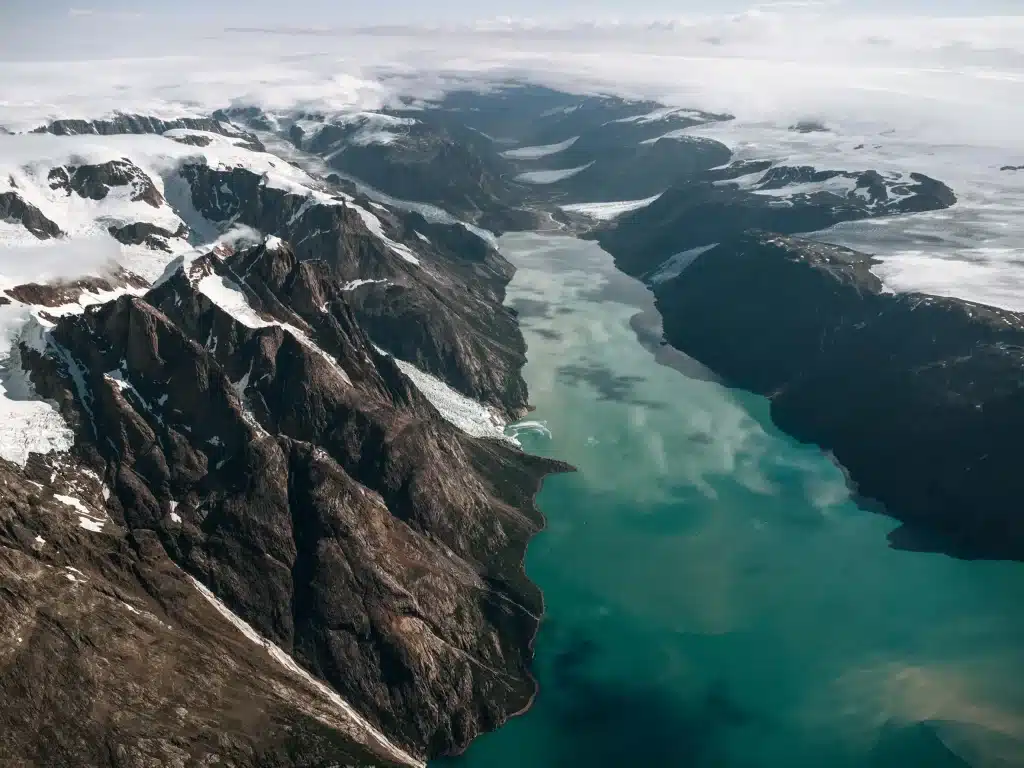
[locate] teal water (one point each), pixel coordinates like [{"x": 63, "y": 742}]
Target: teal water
[{"x": 713, "y": 596}]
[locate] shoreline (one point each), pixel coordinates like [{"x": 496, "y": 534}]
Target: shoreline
[
  {"x": 558, "y": 468},
  {"x": 916, "y": 527},
  {"x": 548, "y": 467}
]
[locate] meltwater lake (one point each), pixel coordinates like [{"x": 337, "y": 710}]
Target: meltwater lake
[{"x": 713, "y": 596}]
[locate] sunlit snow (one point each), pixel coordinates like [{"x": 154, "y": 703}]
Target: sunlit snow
[
  {"x": 674, "y": 266},
  {"x": 550, "y": 177},
  {"x": 357, "y": 722},
  {"x": 467, "y": 414},
  {"x": 227, "y": 295},
  {"x": 608, "y": 211},
  {"x": 533, "y": 153}
]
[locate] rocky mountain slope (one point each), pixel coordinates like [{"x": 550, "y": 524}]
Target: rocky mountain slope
[
  {"x": 919, "y": 397},
  {"x": 713, "y": 206},
  {"x": 501, "y": 158},
  {"x": 257, "y": 507},
  {"x": 429, "y": 293},
  {"x": 680, "y": 212}
]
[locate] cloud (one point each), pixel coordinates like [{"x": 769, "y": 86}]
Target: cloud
[
  {"x": 45, "y": 260},
  {"x": 77, "y": 13},
  {"x": 937, "y": 95}
]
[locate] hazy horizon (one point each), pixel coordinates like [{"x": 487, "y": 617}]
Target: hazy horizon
[
  {"x": 52, "y": 31},
  {"x": 900, "y": 84}
]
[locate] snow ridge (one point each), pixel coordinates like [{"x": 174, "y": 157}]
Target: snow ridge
[{"x": 229, "y": 297}]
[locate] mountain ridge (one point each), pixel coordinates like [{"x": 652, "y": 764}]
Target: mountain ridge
[
  {"x": 239, "y": 437},
  {"x": 289, "y": 475}
]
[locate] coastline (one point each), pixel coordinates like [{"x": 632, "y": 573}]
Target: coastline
[
  {"x": 556, "y": 467},
  {"x": 531, "y": 463}
]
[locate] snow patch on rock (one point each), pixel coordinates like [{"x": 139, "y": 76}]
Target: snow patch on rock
[
  {"x": 551, "y": 177},
  {"x": 353, "y": 284},
  {"x": 375, "y": 226},
  {"x": 473, "y": 418},
  {"x": 360, "y": 726},
  {"x": 608, "y": 211},
  {"x": 27, "y": 423},
  {"x": 227, "y": 295},
  {"x": 674, "y": 265},
  {"x": 534, "y": 153},
  {"x": 87, "y": 519}
]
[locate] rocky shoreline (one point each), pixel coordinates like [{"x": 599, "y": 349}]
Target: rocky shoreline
[
  {"x": 298, "y": 447},
  {"x": 289, "y": 531},
  {"x": 150, "y": 441},
  {"x": 917, "y": 397}
]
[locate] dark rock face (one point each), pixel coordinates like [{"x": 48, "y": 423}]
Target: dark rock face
[
  {"x": 249, "y": 115},
  {"x": 125, "y": 124},
  {"x": 919, "y": 397},
  {"x": 623, "y": 146},
  {"x": 630, "y": 172},
  {"x": 454, "y": 154},
  {"x": 13, "y": 208},
  {"x": 295, "y": 472},
  {"x": 145, "y": 233},
  {"x": 447, "y": 320},
  {"x": 809, "y": 126},
  {"x": 438, "y": 163},
  {"x": 94, "y": 181},
  {"x": 60, "y": 292},
  {"x": 193, "y": 141},
  {"x": 535, "y": 116},
  {"x": 714, "y": 206},
  {"x": 110, "y": 656}
]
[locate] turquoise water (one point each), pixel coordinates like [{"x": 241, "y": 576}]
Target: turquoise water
[{"x": 713, "y": 597}]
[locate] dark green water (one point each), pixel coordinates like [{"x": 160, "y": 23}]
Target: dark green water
[{"x": 713, "y": 597}]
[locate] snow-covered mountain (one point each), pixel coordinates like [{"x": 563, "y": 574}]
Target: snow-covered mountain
[
  {"x": 255, "y": 374},
  {"x": 233, "y": 396}
]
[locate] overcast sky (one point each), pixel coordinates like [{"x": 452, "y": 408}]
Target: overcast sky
[
  {"x": 899, "y": 87},
  {"x": 330, "y": 12},
  {"x": 59, "y": 30}
]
